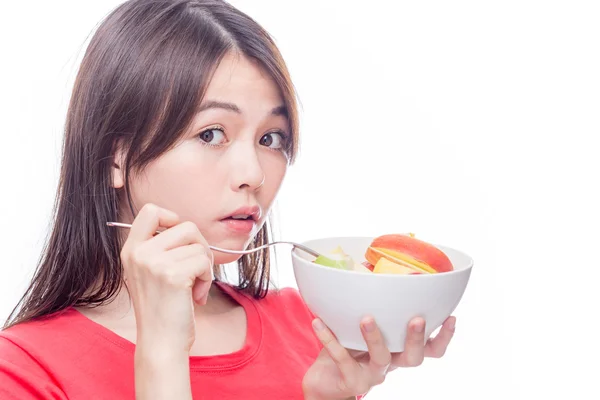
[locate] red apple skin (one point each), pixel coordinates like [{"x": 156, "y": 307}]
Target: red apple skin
[
  {"x": 417, "y": 249},
  {"x": 368, "y": 265}
]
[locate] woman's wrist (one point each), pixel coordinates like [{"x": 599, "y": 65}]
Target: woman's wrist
[{"x": 161, "y": 374}]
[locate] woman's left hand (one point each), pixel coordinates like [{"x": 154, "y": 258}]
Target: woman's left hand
[{"x": 339, "y": 373}]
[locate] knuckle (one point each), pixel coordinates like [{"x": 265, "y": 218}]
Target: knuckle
[
  {"x": 439, "y": 353},
  {"x": 416, "y": 361},
  {"x": 341, "y": 354},
  {"x": 199, "y": 249},
  {"x": 167, "y": 275},
  {"x": 379, "y": 379},
  {"x": 436, "y": 349},
  {"x": 416, "y": 339},
  {"x": 192, "y": 232},
  {"x": 330, "y": 341},
  {"x": 137, "y": 256},
  {"x": 376, "y": 340},
  {"x": 202, "y": 255},
  {"x": 150, "y": 209},
  {"x": 326, "y": 339},
  {"x": 388, "y": 359},
  {"x": 204, "y": 251},
  {"x": 190, "y": 227},
  {"x": 383, "y": 362},
  {"x": 208, "y": 262},
  {"x": 204, "y": 263}
]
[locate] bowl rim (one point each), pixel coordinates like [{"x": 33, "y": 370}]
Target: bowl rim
[{"x": 469, "y": 267}]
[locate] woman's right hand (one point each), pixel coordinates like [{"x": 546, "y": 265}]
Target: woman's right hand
[{"x": 165, "y": 274}]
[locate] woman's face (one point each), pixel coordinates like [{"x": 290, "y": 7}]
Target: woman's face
[{"x": 231, "y": 162}]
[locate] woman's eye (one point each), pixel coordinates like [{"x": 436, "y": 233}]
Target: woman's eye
[
  {"x": 273, "y": 140},
  {"x": 213, "y": 136}
]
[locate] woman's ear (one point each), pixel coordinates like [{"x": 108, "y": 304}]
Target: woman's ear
[{"x": 118, "y": 166}]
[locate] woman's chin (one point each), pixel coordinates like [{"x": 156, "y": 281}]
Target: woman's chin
[
  {"x": 236, "y": 244},
  {"x": 224, "y": 258},
  {"x": 230, "y": 241}
]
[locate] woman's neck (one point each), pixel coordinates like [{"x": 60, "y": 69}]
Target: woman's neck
[
  {"x": 120, "y": 312},
  {"x": 221, "y": 324}
]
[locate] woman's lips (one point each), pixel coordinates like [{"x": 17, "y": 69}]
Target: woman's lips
[
  {"x": 245, "y": 219},
  {"x": 243, "y": 226}
]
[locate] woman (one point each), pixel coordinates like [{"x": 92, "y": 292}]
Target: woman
[{"x": 182, "y": 120}]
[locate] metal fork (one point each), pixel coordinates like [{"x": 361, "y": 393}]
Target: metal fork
[{"x": 242, "y": 252}]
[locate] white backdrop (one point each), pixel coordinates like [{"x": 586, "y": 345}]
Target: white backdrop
[{"x": 471, "y": 123}]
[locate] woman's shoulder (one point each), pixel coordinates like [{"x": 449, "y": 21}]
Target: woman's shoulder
[
  {"x": 26, "y": 348},
  {"x": 35, "y": 339},
  {"x": 286, "y": 297},
  {"x": 48, "y": 328},
  {"x": 288, "y": 301}
]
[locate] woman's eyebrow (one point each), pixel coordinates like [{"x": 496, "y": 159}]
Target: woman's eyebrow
[
  {"x": 210, "y": 104},
  {"x": 218, "y": 104},
  {"x": 281, "y": 110}
]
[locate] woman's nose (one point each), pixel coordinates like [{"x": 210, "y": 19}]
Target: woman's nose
[{"x": 247, "y": 172}]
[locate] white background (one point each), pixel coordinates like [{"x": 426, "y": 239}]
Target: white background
[{"x": 482, "y": 115}]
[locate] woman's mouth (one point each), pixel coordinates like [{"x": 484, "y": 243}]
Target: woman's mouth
[
  {"x": 243, "y": 220},
  {"x": 237, "y": 225}
]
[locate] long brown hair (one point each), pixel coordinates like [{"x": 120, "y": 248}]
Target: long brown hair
[{"x": 142, "y": 78}]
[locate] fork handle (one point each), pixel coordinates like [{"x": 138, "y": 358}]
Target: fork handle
[
  {"x": 264, "y": 246},
  {"x": 242, "y": 252}
]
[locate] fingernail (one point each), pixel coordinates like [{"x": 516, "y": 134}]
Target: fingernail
[
  {"x": 318, "y": 325},
  {"x": 452, "y": 324},
  {"x": 420, "y": 327},
  {"x": 369, "y": 326}
]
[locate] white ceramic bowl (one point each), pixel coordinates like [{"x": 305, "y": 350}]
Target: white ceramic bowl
[{"x": 342, "y": 298}]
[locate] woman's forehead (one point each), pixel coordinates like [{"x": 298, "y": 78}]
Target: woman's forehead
[{"x": 238, "y": 79}]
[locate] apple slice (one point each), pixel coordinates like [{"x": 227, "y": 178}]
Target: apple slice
[
  {"x": 417, "y": 252},
  {"x": 336, "y": 258},
  {"x": 374, "y": 255},
  {"x": 406, "y": 259},
  {"x": 331, "y": 262},
  {"x": 385, "y": 266}
]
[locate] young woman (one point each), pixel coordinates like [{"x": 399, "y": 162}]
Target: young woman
[{"x": 182, "y": 120}]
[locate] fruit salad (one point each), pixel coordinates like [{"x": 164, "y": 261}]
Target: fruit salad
[{"x": 402, "y": 254}]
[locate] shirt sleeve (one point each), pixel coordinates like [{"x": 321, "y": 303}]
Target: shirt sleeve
[{"x": 22, "y": 377}]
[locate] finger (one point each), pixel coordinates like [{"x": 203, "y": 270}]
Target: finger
[
  {"x": 436, "y": 347},
  {"x": 183, "y": 253},
  {"x": 380, "y": 356},
  {"x": 194, "y": 261},
  {"x": 200, "y": 291},
  {"x": 196, "y": 265},
  {"x": 347, "y": 365},
  {"x": 180, "y": 235},
  {"x": 148, "y": 220},
  {"x": 414, "y": 348},
  {"x": 203, "y": 282}
]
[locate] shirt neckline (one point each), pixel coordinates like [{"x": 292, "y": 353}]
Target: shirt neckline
[{"x": 221, "y": 362}]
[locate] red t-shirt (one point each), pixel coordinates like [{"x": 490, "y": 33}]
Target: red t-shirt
[{"x": 68, "y": 356}]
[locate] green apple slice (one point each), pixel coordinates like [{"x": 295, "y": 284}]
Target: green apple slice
[
  {"x": 336, "y": 258},
  {"x": 331, "y": 262}
]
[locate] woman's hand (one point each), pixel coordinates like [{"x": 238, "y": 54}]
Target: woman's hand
[
  {"x": 164, "y": 275},
  {"x": 342, "y": 374}
]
